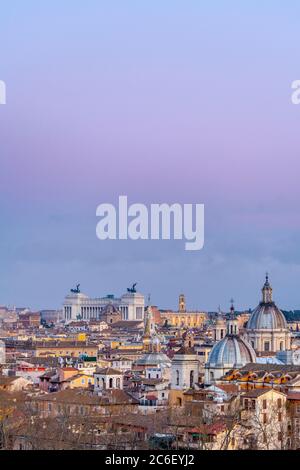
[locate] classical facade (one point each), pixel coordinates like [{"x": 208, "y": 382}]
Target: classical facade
[
  {"x": 267, "y": 329},
  {"x": 183, "y": 318},
  {"x": 79, "y": 306}
]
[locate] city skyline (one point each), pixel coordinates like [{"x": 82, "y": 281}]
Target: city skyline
[{"x": 173, "y": 305}]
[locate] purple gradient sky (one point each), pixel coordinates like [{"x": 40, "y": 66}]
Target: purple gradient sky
[{"x": 165, "y": 102}]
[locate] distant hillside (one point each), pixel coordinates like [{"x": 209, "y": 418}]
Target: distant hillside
[{"x": 292, "y": 315}]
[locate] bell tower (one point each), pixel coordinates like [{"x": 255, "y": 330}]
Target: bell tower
[
  {"x": 182, "y": 308},
  {"x": 147, "y": 331},
  {"x": 220, "y": 326},
  {"x": 232, "y": 322}
]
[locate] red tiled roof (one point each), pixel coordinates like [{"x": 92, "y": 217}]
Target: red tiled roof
[{"x": 293, "y": 396}]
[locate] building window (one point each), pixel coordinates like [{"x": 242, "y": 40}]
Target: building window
[
  {"x": 139, "y": 313},
  {"x": 267, "y": 346},
  {"x": 280, "y": 436},
  {"x": 177, "y": 377},
  {"x": 279, "y": 402},
  {"x": 110, "y": 383},
  {"x": 191, "y": 378},
  {"x": 265, "y": 418},
  {"x": 264, "y": 404},
  {"x": 281, "y": 346},
  {"x": 279, "y": 417}
]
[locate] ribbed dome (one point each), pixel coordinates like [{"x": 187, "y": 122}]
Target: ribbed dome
[
  {"x": 266, "y": 316},
  {"x": 231, "y": 351}
]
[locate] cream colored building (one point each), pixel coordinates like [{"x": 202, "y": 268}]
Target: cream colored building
[
  {"x": 263, "y": 422},
  {"x": 184, "y": 318}
]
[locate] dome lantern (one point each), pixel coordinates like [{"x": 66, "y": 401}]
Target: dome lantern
[
  {"x": 232, "y": 322},
  {"x": 267, "y": 291}
]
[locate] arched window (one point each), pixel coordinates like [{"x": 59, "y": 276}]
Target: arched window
[
  {"x": 191, "y": 378},
  {"x": 103, "y": 383},
  {"x": 281, "y": 346},
  {"x": 211, "y": 375},
  {"x": 118, "y": 383},
  {"x": 177, "y": 377},
  {"x": 111, "y": 383}
]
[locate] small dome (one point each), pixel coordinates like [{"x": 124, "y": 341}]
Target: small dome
[
  {"x": 109, "y": 309},
  {"x": 231, "y": 351},
  {"x": 154, "y": 359}
]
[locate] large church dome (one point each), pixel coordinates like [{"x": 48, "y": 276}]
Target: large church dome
[
  {"x": 267, "y": 315},
  {"x": 232, "y": 351}
]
